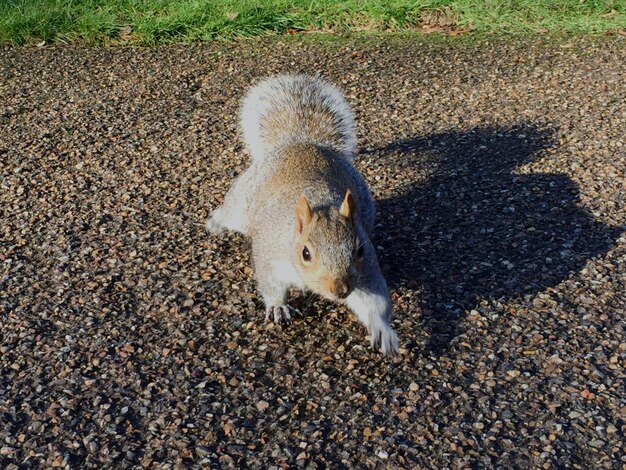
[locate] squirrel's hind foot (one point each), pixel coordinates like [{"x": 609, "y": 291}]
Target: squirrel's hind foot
[
  {"x": 226, "y": 218},
  {"x": 280, "y": 313},
  {"x": 213, "y": 223}
]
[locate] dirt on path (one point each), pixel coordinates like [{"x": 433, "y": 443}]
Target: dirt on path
[{"x": 130, "y": 338}]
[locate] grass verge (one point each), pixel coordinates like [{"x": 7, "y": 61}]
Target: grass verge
[{"x": 166, "y": 21}]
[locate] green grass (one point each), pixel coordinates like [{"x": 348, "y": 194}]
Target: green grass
[{"x": 165, "y": 21}]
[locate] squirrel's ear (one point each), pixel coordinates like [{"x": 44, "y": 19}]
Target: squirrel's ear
[
  {"x": 348, "y": 206},
  {"x": 303, "y": 214}
]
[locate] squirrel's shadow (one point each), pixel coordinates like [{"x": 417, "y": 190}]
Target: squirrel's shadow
[{"x": 476, "y": 228}]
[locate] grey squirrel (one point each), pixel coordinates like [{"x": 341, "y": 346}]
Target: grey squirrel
[{"x": 304, "y": 205}]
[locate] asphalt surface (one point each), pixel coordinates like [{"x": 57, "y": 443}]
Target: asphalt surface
[{"x": 131, "y": 338}]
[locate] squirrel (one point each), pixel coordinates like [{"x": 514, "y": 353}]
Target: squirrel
[{"x": 307, "y": 210}]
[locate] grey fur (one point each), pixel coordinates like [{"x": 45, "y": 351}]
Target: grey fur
[
  {"x": 301, "y": 138},
  {"x": 292, "y": 100}
]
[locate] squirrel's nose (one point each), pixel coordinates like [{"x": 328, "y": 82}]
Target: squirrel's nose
[{"x": 341, "y": 288}]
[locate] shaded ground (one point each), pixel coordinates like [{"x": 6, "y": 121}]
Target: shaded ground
[{"x": 129, "y": 337}]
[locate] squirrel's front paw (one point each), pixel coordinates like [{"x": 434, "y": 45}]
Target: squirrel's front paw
[
  {"x": 280, "y": 313},
  {"x": 384, "y": 337}
]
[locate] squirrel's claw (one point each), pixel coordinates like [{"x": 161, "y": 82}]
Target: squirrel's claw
[
  {"x": 280, "y": 313},
  {"x": 385, "y": 339}
]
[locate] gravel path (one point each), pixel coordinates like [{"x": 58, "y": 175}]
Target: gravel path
[{"x": 131, "y": 338}]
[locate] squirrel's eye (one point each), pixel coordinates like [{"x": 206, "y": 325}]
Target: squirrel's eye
[
  {"x": 306, "y": 254},
  {"x": 359, "y": 251}
]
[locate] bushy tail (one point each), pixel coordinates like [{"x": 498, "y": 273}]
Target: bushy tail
[{"x": 290, "y": 109}]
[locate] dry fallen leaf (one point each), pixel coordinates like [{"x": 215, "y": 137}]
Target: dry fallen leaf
[
  {"x": 457, "y": 32},
  {"x": 125, "y": 32},
  {"x": 428, "y": 29}
]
